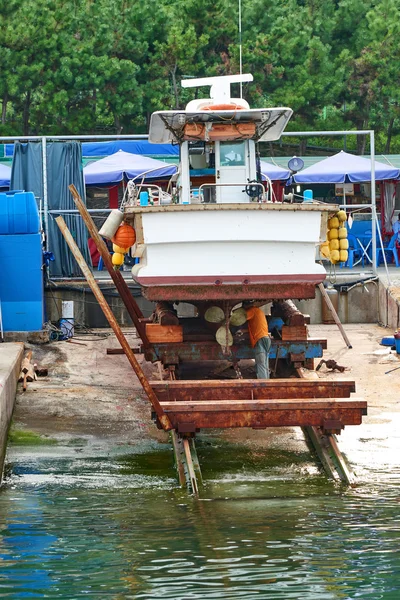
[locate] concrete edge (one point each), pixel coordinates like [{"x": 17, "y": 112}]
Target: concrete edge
[{"x": 10, "y": 365}]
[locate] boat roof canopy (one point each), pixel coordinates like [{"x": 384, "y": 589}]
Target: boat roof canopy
[{"x": 168, "y": 126}]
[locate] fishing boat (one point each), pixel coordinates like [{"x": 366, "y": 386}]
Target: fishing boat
[
  {"x": 215, "y": 243},
  {"x": 227, "y": 238}
]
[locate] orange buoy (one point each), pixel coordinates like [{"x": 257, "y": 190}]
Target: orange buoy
[
  {"x": 125, "y": 236},
  {"x": 223, "y": 107}
]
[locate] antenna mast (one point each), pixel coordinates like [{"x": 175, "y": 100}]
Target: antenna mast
[{"x": 240, "y": 46}]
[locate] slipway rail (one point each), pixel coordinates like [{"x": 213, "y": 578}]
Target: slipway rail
[{"x": 321, "y": 408}]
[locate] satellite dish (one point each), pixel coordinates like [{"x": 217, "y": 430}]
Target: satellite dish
[{"x": 295, "y": 164}]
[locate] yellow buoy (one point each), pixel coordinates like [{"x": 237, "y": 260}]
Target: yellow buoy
[
  {"x": 333, "y": 223},
  {"x": 343, "y": 256},
  {"x": 119, "y": 249},
  {"x": 342, "y": 233},
  {"x": 117, "y": 259},
  {"x": 344, "y": 244},
  {"x": 341, "y": 215},
  {"x": 335, "y": 256},
  {"x": 334, "y": 245},
  {"x": 333, "y": 234},
  {"x": 324, "y": 250}
]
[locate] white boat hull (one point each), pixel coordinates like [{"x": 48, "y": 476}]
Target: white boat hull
[{"x": 229, "y": 245}]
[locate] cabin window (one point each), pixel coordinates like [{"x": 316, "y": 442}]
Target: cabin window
[{"x": 232, "y": 154}]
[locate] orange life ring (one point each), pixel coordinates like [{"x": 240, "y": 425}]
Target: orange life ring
[{"x": 222, "y": 107}]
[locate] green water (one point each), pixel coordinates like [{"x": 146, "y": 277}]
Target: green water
[{"x": 99, "y": 520}]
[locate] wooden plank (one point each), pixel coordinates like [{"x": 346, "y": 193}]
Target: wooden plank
[
  {"x": 179, "y": 458},
  {"x": 259, "y": 405},
  {"x": 342, "y": 467},
  {"x": 164, "y": 333},
  {"x": 294, "y": 333},
  {"x": 189, "y": 462},
  {"x": 334, "y": 313},
  {"x": 130, "y": 303},
  {"x": 138, "y": 224},
  {"x": 139, "y": 250},
  {"x": 314, "y": 437},
  {"x": 162, "y": 417},
  {"x": 246, "y": 389},
  {"x": 332, "y": 460}
]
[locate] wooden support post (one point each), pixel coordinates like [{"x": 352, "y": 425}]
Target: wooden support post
[
  {"x": 342, "y": 466},
  {"x": 162, "y": 417},
  {"x": 313, "y": 436},
  {"x": 333, "y": 461},
  {"x": 189, "y": 462},
  {"x": 334, "y": 314},
  {"x": 131, "y": 305},
  {"x": 179, "y": 455},
  {"x": 196, "y": 463},
  {"x": 325, "y": 445}
]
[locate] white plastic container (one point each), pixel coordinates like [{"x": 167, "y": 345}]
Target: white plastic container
[
  {"x": 67, "y": 318},
  {"x": 111, "y": 224}
]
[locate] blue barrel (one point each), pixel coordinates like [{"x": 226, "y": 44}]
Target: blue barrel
[{"x": 18, "y": 213}]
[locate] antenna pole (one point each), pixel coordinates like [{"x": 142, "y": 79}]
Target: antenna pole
[{"x": 240, "y": 46}]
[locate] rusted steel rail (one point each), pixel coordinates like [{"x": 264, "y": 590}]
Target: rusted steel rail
[
  {"x": 161, "y": 415},
  {"x": 189, "y": 417},
  {"x": 250, "y": 389},
  {"x": 217, "y": 290},
  {"x": 131, "y": 306}
]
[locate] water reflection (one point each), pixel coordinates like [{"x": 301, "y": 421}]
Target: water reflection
[{"x": 111, "y": 522}]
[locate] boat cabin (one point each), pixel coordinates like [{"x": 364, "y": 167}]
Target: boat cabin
[{"x": 217, "y": 138}]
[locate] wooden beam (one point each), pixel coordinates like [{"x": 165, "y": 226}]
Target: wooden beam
[
  {"x": 332, "y": 460},
  {"x": 131, "y": 305},
  {"x": 179, "y": 456},
  {"x": 162, "y": 417},
  {"x": 334, "y": 313},
  {"x": 189, "y": 462}
]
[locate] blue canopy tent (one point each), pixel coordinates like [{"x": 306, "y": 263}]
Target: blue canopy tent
[
  {"x": 131, "y": 146},
  {"x": 123, "y": 165},
  {"x": 274, "y": 172},
  {"x": 345, "y": 168},
  {"x": 5, "y": 176},
  {"x": 106, "y": 148}
]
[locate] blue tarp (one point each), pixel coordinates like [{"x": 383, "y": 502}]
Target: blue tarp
[
  {"x": 5, "y": 176},
  {"x": 133, "y": 146},
  {"x": 120, "y": 165},
  {"x": 274, "y": 172},
  {"x": 345, "y": 168}
]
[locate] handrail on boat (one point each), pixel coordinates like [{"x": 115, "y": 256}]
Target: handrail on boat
[{"x": 203, "y": 185}]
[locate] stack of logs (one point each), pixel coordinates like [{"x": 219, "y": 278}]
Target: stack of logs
[{"x": 30, "y": 370}]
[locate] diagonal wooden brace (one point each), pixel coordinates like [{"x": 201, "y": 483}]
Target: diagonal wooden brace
[
  {"x": 131, "y": 306},
  {"x": 163, "y": 418}
]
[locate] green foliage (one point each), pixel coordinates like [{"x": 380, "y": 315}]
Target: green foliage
[{"x": 102, "y": 66}]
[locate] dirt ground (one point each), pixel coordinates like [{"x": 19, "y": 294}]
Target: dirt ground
[{"x": 88, "y": 392}]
